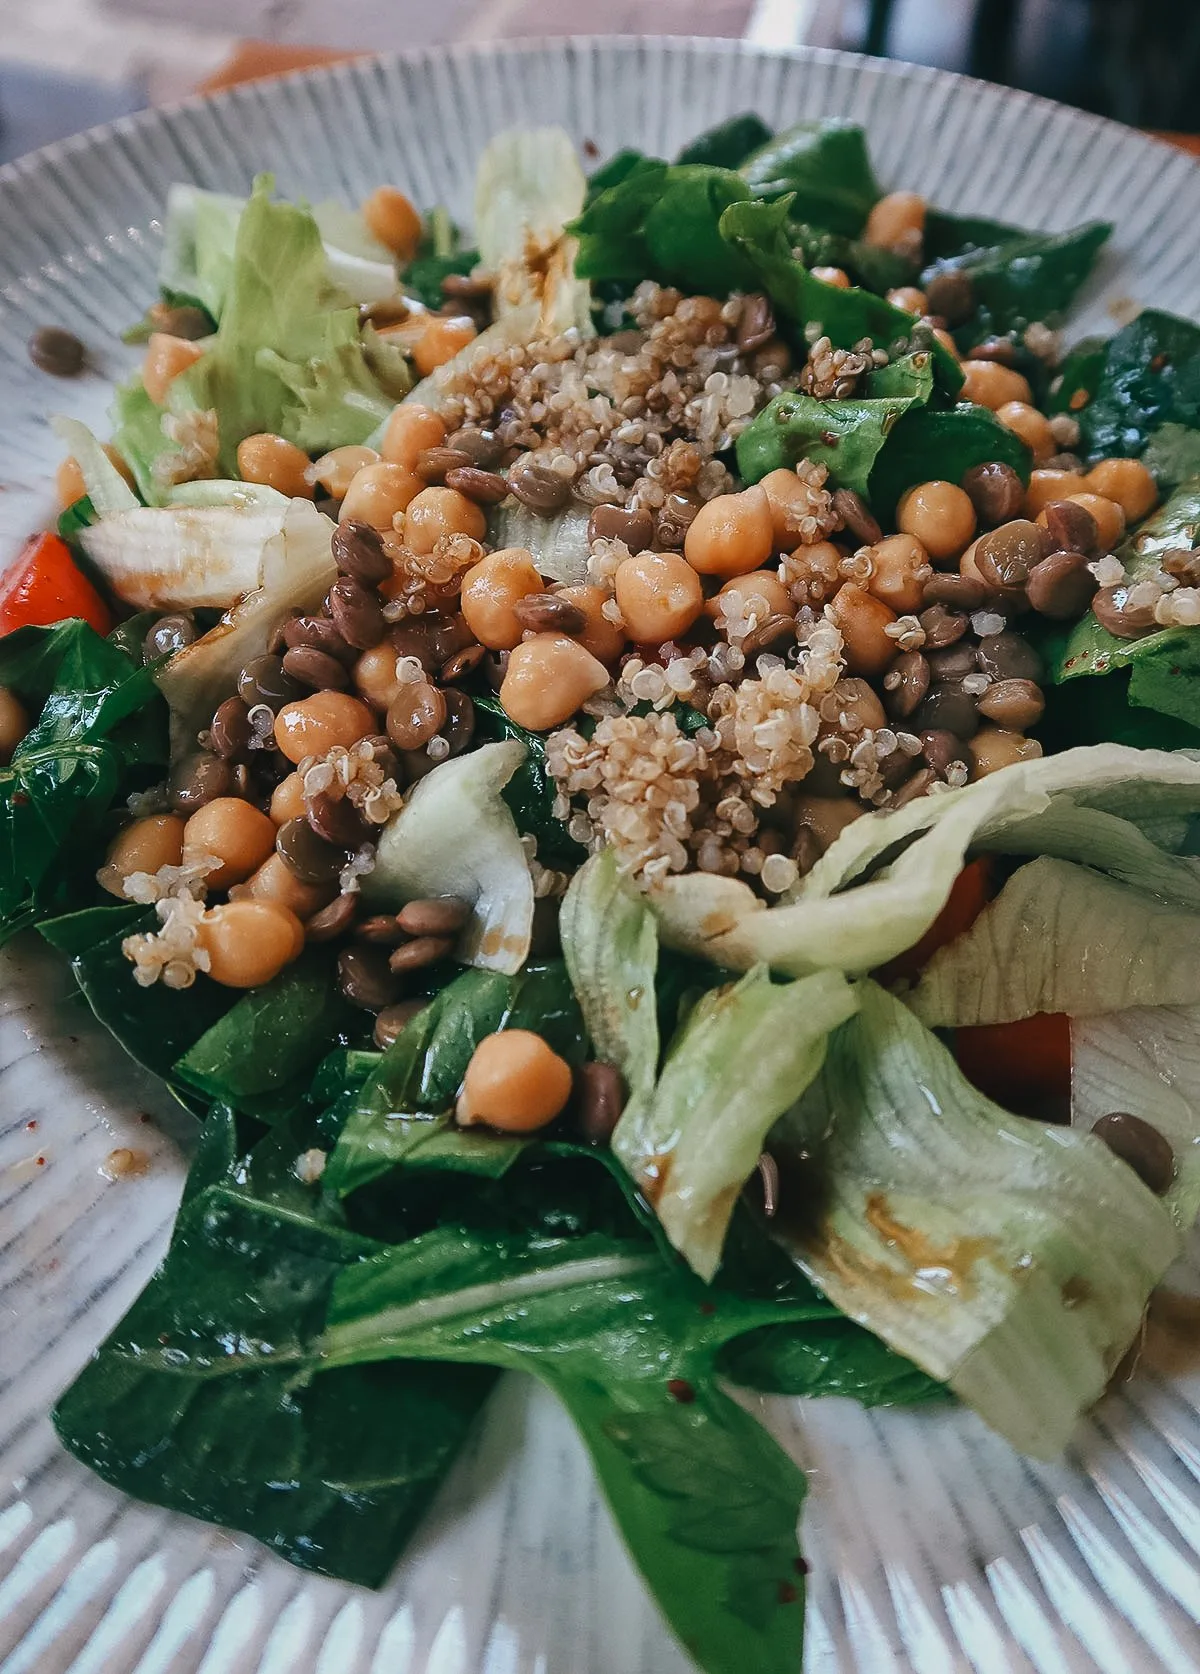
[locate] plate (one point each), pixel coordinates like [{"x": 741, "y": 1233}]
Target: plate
[{"x": 935, "y": 1548}]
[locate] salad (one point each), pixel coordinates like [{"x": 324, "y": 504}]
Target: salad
[{"x": 639, "y": 776}]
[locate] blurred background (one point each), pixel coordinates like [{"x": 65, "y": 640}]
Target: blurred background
[{"x": 66, "y": 64}]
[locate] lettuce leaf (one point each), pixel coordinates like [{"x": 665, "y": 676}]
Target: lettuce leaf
[
  {"x": 968, "y": 1239},
  {"x": 610, "y": 944},
  {"x": 106, "y": 488},
  {"x": 528, "y": 187}
]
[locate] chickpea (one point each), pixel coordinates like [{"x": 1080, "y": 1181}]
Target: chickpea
[
  {"x": 336, "y": 471},
  {"x": 858, "y": 705},
  {"x": 1045, "y": 485},
  {"x": 659, "y": 594},
  {"x": 1031, "y": 426},
  {"x": 940, "y": 515},
  {"x": 861, "y": 620},
  {"x": 995, "y": 747},
  {"x": 278, "y": 463},
  {"x": 1110, "y": 519},
  {"x": 68, "y": 482},
  {"x": 166, "y": 358},
  {"x": 442, "y": 338},
  {"x": 143, "y": 846},
  {"x": 901, "y": 570},
  {"x": 732, "y": 534},
  {"x": 375, "y": 675},
  {"x": 1128, "y": 483},
  {"x": 435, "y": 512},
  {"x": 312, "y": 726},
  {"x": 287, "y": 799},
  {"x": 827, "y": 816},
  {"x": 377, "y": 492},
  {"x": 835, "y": 276},
  {"x": 896, "y": 221},
  {"x": 14, "y": 723},
  {"x": 514, "y": 1082},
  {"x": 275, "y": 881},
  {"x": 989, "y": 384},
  {"x": 409, "y": 431},
  {"x": 763, "y": 585},
  {"x": 233, "y": 832},
  {"x": 788, "y": 500},
  {"x": 604, "y": 639},
  {"x": 547, "y": 678},
  {"x": 393, "y": 220},
  {"x": 490, "y": 591},
  {"x": 249, "y": 942},
  {"x": 968, "y": 567},
  {"x": 942, "y": 336},
  {"x": 909, "y": 299}
]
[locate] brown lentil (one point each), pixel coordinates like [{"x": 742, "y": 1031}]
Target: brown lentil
[
  {"x": 951, "y": 293},
  {"x": 1061, "y": 586},
  {"x": 616, "y": 523},
  {"x": 906, "y": 684},
  {"x": 1008, "y": 656},
  {"x": 675, "y": 518},
  {"x": 263, "y": 681},
  {"x": 952, "y": 662},
  {"x": 1016, "y": 704},
  {"x": 306, "y": 666},
  {"x": 442, "y": 915},
  {"x": 768, "y": 636},
  {"x": 599, "y": 1100},
  {"x": 482, "y": 447},
  {"x": 364, "y": 978},
  {"x": 546, "y": 613},
  {"x": 462, "y": 663},
  {"x": 942, "y": 627},
  {"x": 198, "y": 780},
  {"x": 381, "y": 929},
  {"x": 336, "y": 820},
  {"x": 307, "y": 856},
  {"x": 421, "y": 951},
  {"x": 58, "y": 352},
  {"x": 1142, "y": 1146},
  {"x": 757, "y": 323},
  {"x": 486, "y": 488},
  {"x": 956, "y": 592},
  {"x": 416, "y": 714},
  {"x": 432, "y": 464},
  {"x": 332, "y": 921},
  {"x": 358, "y": 551},
  {"x": 393, "y": 1020},
  {"x": 857, "y": 516},
  {"x": 231, "y": 731},
  {"x": 948, "y": 709},
  {"x": 458, "y": 729},
  {"x": 168, "y": 635},
  {"x": 320, "y": 632},
  {"x": 539, "y": 488},
  {"x": 1112, "y": 610},
  {"x": 1005, "y": 556},
  {"x": 996, "y": 492},
  {"x": 1070, "y": 526},
  {"x": 357, "y": 613},
  {"x": 916, "y": 786},
  {"x": 940, "y": 749}
]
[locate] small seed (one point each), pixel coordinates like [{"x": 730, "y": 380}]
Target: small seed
[
  {"x": 996, "y": 492},
  {"x": 948, "y": 709},
  {"x": 364, "y": 978},
  {"x": 1015, "y": 704},
  {"x": 315, "y": 669},
  {"x": 619, "y": 523},
  {"x": 332, "y": 921},
  {"x": 357, "y": 613},
  {"x": 1007, "y": 656},
  {"x": 1061, "y": 586},
  {"x": 956, "y": 592},
  {"x": 320, "y": 632},
  {"x": 1112, "y": 610},
  {"x": 486, "y": 488},
  {"x": 1005, "y": 556},
  {"x": 857, "y": 516},
  {"x": 59, "y": 352},
  {"x": 442, "y": 915},
  {"x": 600, "y": 1098},
  {"x": 769, "y": 634},
  {"x": 546, "y": 613},
  {"x": 951, "y": 293},
  {"x": 264, "y": 681},
  {"x": 482, "y": 447},
  {"x": 421, "y": 951},
  {"x": 542, "y": 490},
  {"x": 914, "y": 675},
  {"x": 1142, "y": 1146},
  {"x": 461, "y": 664},
  {"x": 757, "y": 324},
  {"x": 307, "y": 856},
  {"x": 358, "y": 551},
  {"x": 336, "y": 820},
  {"x": 381, "y": 929},
  {"x": 918, "y": 785},
  {"x": 393, "y": 1020},
  {"x": 942, "y": 627},
  {"x": 1070, "y": 526},
  {"x": 433, "y": 463},
  {"x": 940, "y": 748},
  {"x": 231, "y": 731}
]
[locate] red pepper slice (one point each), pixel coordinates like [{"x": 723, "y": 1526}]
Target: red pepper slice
[
  {"x": 45, "y": 586},
  {"x": 969, "y": 895}
]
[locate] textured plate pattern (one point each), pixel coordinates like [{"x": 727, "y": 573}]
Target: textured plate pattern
[{"x": 935, "y": 1548}]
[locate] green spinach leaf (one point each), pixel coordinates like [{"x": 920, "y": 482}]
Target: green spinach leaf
[
  {"x": 949, "y": 235},
  {"x": 833, "y": 1358},
  {"x": 81, "y": 514},
  {"x": 1147, "y": 375},
  {"x": 949, "y": 441},
  {"x": 1034, "y": 276},
  {"x": 662, "y": 221},
  {"x": 423, "y": 276},
  {"x": 825, "y": 165},
  {"x": 871, "y": 265},
  {"x": 1173, "y": 454},
  {"x": 728, "y": 144},
  {"x": 530, "y": 792}
]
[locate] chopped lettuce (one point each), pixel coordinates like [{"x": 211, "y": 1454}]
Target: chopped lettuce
[
  {"x": 455, "y": 836},
  {"x": 528, "y": 186},
  {"x": 558, "y": 545},
  {"x": 967, "y": 1238},
  {"x": 106, "y": 488},
  {"x": 610, "y": 944},
  {"x": 882, "y": 883},
  {"x": 743, "y": 1057}
]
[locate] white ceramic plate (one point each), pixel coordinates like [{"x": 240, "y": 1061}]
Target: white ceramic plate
[{"x": 935, "y": 1548}]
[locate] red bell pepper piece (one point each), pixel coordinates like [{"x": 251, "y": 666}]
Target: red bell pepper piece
[{"x": 45, "y": 585}]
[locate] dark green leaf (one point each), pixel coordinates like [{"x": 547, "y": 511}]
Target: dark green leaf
[
  {"x": 259, "y": 1056},
  {"x": 949, "y": 442},
  {"x": 423, "y": 276},
  {"x": 1150, "y": 376},
  {"x": 826, "y": 165},
  {"x": 837, "y": 1358},
  {"x": 215, "y": 1157},
  {"x": 1078, "y": 376},
  {"x": 1173, "y": 454},
  {"x": 619, "y": 167},
  {"x": 1035, "y": 276},
  {"x": 530, "y": 792},
  {"x": 77, "y": 933},
  {"x": 662, "y": 221},
  {"x": 79, "y": 515},
  {"x": 728, "y": 144},
  {"x": 878, "y": 269},
  {"x": 956, "y": 235}
]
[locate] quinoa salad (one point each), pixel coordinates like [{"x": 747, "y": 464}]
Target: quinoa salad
[{"x": 637, "y": 768}]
